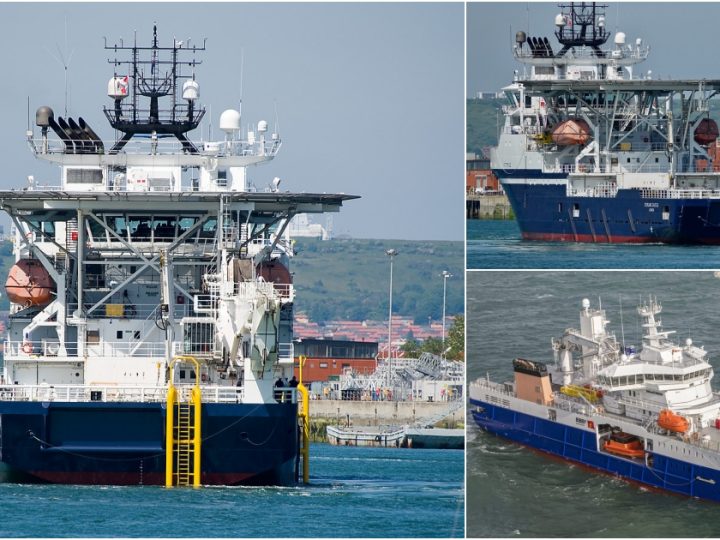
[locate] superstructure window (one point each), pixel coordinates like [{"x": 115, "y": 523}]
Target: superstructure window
[{"x": 84, "y": 176}]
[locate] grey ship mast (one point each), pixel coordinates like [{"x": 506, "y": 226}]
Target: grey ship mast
[{"x": 149, "y": 80}]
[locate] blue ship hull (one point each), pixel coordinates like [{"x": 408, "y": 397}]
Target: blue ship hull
[
  {"x": 580, "y": 446},
  {"x": 546, "y": 212},
  {"x": 124, "y": 443}
]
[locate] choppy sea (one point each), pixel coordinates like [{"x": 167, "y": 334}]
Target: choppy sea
[
  {"x": 496, "y": 244},
  {"x": 354, "y": 492},
  {"x": 513, "y": 491}
]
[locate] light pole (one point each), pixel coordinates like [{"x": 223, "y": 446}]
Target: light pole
[
  {"x": 445, "y": 275},
  {"x": 390, "y": 253}
]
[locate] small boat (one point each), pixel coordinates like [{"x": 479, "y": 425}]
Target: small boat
[
  {"x": 392, "y": 436},
  {"x": 625, "y": 445},
  {"x": 571, "y": 132},
  {"x": 673, "y": 422}
]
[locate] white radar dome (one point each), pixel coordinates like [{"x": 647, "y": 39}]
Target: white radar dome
[
  {"x": 230, "y": 121},
  {"x": 191, "y": 90},
  {"x": 262, "y": 126},
  {"x": 620, "y": 38},
  {"x": 559, "y": 20},
  {"x": 688, "y": 342},
  {"x": 585, "y": 303}
]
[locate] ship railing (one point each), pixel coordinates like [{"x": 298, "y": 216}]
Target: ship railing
[
  {"x": 33, "y": 349},
  {"x": 49, "y": 350},
  {"x": 114, "y": 394},
  {"x": 603, "y": 190},
  {"x": 493, "y": 386},
  {"x": 680, "y": 194},
  {"x": 132, "y": 311},
  {"x": 286, "y": 353},
  {"x": 637, "y": 54},
  {"x": 267, "y": 147}
]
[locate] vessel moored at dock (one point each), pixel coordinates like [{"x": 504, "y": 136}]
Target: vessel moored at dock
[
  {"x": 152, "y": 302},
  {"x": 592, "y": 152}
]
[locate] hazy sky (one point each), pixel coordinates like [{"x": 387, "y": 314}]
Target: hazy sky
[
  {"x": 682, "y": 37},
  {"x": 369, "y": 96}
]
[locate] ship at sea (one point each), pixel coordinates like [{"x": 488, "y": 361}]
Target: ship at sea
[
  {"x": 151, "y": 298},
  {"x": 647, "y": 414},
  {"x": 590, "y": 151}
]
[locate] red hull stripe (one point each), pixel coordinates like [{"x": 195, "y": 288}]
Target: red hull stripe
[{"x": 599, "y": 238}]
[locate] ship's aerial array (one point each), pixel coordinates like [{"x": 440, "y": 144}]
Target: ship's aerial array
[
  {"x": 648, "y": 416},
  {"x": 592, "y": 151},
  {"x": 152, "y": 302}
]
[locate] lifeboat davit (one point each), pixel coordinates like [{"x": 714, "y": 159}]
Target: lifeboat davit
[
  {"x": 571, "y": 132},
  {"x": 276, "y": 272},
  {"x": 673, "y": 422},
  {"x": 29, "y": 284},
  {"x": 625, "y": 445},
  {"x": 706, "y": 132}
]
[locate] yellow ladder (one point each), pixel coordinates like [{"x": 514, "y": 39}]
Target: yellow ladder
[
  {"x": 183, "y": 432},
  {"x": 304, "y": 418}
]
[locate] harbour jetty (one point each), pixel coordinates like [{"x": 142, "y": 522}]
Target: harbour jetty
[
  {"x": 483, "y": 206},
  {"x": 337, "y": 412}
]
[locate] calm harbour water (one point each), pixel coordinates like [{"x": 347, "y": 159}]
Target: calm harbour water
[
  {"x": 355, "y": 492},
  {"x": 496, "y": 244},
  {"x": 513, "y": 491}
]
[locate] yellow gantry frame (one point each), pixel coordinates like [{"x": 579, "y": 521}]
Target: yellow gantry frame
[
  {"x": 196, "y": 400},
  {"x": 304, "y": 414}
]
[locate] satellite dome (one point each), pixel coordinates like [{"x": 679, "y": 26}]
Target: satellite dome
[
  {"x": 43, "y": 116},
  {"x": 262, "y": 126},
  {"x": 230, "y": 121},
  {"x": 559, "y": 20},
  {"x": 585, "y": 303},
  {"x": 191, "y": 90},
  {"x": 620, "y": 38}
]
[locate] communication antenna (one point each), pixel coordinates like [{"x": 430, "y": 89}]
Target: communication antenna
[
  {"x": 242, "y": 77},
  {"x": 277, "y": 118},
  {"x": 622, "y": 326},
  {"x": 65, "y": 63}
]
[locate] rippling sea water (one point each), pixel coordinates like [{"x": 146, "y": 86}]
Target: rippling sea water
[
  {"x": 355, "y": 492},
  {"x": 496, "y": 244},
  {"x": 513, "y": 491}
]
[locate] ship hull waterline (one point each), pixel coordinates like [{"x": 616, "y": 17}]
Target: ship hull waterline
[
  {"x": 580, "y": 446},
  {"x": 124, "y": 443}
]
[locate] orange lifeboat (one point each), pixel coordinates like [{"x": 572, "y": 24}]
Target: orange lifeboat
[
  {"x": 625, "y": 445},
  {"x": 29, "y": 284},
  {"x": 673, "y": 422},
  {"x": 277, "y": 273},
  {"x": 706, "y": 132},
  {"x": 571, "y": 132}
]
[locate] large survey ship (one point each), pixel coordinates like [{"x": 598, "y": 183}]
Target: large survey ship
[
  {"x": 649, "y": 415},
  {"x": 152, "y": 302}
]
